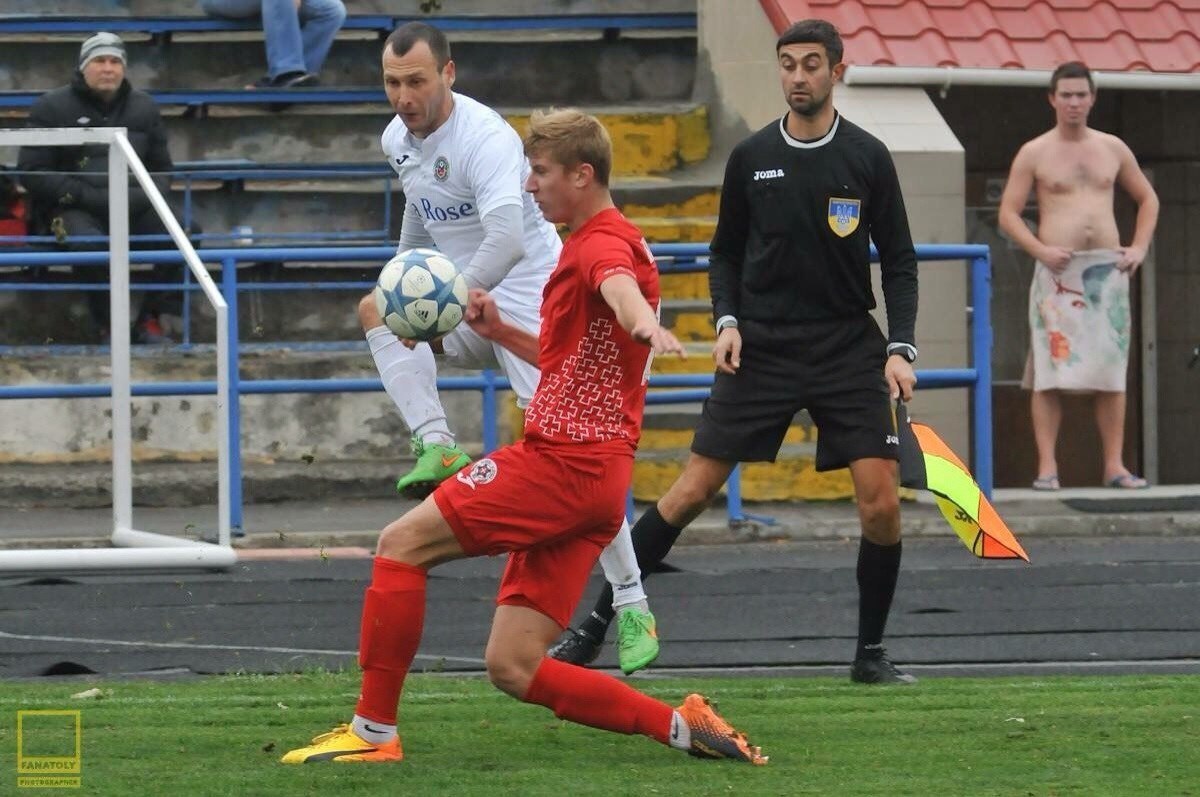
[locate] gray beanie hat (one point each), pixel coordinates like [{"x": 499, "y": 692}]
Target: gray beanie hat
[{"x": 101, "y": 44}]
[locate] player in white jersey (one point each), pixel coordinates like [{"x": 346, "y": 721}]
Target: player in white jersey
[{"x": 463, "y": 167}]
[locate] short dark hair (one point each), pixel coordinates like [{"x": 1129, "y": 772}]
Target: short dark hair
[
  {"x": 813, "y": 30},
  {"x": 1072, "y": 69},
  {"x": 405, "y": 37}
]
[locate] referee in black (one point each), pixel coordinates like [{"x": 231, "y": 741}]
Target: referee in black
[{"x": 791, "y": 291}]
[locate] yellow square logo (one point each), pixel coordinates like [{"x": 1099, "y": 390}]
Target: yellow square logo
[{"x": 49, "y": 749}]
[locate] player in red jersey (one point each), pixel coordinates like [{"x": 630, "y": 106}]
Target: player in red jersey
[{"x": 599, "y": 327}]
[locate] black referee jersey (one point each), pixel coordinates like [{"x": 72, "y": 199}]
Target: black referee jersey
[{"x": 794, "y": 228}]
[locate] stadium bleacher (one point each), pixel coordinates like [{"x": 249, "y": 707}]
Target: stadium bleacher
[
  {"x": 314, "y": 169},
  {"x": 611, "y": 24}
]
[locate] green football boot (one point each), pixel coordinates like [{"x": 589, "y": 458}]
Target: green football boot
[
  {"x": 637, "y": 639},
  {"x": 435, "y": 464}
]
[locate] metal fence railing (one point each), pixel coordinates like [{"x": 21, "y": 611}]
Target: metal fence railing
[{"x": 678, "y": 388}]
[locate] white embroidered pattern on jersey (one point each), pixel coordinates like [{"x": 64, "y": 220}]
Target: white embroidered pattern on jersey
[{"x": 583, "y": 400}]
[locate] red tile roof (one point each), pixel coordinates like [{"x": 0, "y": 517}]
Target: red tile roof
[{"x": 1108, "y": 35}]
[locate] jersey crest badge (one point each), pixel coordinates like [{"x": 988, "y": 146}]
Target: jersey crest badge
[
  {"x": 441, "y": 169},
  {"x": 844, "y": 215}
]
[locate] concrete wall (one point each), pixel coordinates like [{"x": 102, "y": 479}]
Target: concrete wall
[
  {"x": 346, "y": 426},
  {"x": 738, "y": 77}
]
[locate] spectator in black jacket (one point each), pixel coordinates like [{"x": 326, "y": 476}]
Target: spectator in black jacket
[{"x": 69, "y": 185}]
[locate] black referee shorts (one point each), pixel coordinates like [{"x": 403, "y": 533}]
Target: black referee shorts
[{"x": 833, "y": 369}]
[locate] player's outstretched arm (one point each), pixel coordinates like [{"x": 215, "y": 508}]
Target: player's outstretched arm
[
  {"x": 636, "y": 316},
  {"x": 483, "y": 316}
]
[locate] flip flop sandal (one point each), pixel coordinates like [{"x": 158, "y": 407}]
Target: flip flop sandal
[
  {"x": 1127, "y": 481},
  {"x": 1046, "y": 483}
]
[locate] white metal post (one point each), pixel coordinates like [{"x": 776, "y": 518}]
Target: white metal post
[
  {"x": 192, "y": 261},
  {"x": 118, "y": 277},
  {"x": 145, "y": 550}
]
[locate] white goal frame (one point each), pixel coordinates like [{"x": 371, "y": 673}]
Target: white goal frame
[{"x": 136, "y": 549}]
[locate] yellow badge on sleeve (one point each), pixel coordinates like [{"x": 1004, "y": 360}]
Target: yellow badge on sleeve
[{"x": 844, "y": 215}]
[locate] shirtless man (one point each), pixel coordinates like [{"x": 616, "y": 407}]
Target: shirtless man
[{"x": 1082, "y": 272}]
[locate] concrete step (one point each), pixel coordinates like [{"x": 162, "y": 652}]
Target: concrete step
[
  {"x": 359, "y": 204},
  {"x": 275, "y": 428},
  {"x": 650, "y": 138},
  {"x": 414, "y": 8},
  {"x": 174, "y": 483},
  {"x": 32, "y": 318},
  {"x": 677, "y": 229},
  {"x": 691, "y": 321},
  {"x": 539, "y": 68},
  {"x": 698, "y": 360},
  {"x": 792, "y": 477}
]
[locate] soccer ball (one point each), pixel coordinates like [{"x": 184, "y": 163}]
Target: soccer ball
[{"x": 420, "y": 294}]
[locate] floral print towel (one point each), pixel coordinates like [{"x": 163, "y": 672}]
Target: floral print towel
[{"x": 1079, "y": 325}]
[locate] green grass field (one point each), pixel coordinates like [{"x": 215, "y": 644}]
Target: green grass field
[{"x": 1003, "y": 736}]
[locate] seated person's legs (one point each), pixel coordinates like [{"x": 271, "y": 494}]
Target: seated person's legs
[
  {"x": 68, "y": 226},
  {"x": 320, "y": 21},
  {"x": 148, "y": 327}
]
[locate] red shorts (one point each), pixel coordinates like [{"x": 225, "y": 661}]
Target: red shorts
[{"x": 553, "y": 508}]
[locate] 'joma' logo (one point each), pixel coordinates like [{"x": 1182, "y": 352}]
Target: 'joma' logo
[{"x": 769, "y": 174}]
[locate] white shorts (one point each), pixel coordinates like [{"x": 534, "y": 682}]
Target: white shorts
[{"x": 464, "y": 348}]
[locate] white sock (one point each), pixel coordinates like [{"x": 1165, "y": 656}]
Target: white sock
[
  {"x": 642, "y": 606},
  {"x": 372, "y": 731},
  {"x": 680, "y": 736},
  {"x": 410, "y": 378},
  {"x": 621, "y": 569}
]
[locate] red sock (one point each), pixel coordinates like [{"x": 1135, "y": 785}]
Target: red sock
[
  {"x": 601, "y": 701},
  {"x": 392, "y": 619}
]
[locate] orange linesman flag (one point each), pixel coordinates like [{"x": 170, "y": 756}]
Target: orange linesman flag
[{"x": 927, "y": 463}]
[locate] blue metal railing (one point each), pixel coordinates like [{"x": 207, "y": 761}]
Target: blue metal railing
[
  {"x": 235, "y": 174},
  {"x": 679, "y": 258}
]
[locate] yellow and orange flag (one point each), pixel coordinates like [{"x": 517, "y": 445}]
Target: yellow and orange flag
[{"x": 927, "y": 463}]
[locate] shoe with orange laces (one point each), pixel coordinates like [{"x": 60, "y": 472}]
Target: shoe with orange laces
[
  {"x": 713, "y": 737},
  {"x": 344, "y": 745}
]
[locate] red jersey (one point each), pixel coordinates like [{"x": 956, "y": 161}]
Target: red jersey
[{"x": 593, "y": 383}]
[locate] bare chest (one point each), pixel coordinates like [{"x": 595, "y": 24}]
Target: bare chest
[{"x": 1071, "y": 169}]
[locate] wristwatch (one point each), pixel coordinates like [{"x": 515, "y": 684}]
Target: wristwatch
[
  {"x": 905, "y": 350},
  {"x": 726, "y": 321}
]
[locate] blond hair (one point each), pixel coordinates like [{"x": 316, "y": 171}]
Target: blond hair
[{"x": 571, "y": 137}]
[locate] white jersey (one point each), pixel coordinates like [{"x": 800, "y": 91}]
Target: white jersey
[{"x": 468, "y": 167}]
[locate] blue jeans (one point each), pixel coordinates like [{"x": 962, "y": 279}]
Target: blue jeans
[{"x": 298, "y": 39}]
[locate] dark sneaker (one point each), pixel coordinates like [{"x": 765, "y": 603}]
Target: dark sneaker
[
  {"x": 713, "y": 737},
  {"x": 878, "y": 670},
  {"x": 288, "y": 80},
  {"x": 577, "y": 647}
]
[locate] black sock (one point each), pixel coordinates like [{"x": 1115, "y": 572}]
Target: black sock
[
  {"x": 652, "y": 540},
  {"x": 878, "y": 567}
]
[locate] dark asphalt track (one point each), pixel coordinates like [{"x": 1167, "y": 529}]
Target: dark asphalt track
[{"x": 1087, "y": 605}]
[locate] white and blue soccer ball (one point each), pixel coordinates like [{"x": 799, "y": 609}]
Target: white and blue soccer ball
[{"x": 421, "y": 294}]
